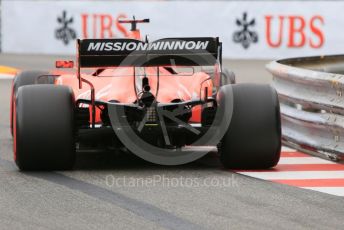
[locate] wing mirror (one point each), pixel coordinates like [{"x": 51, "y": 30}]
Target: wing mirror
[{"x": 64, "y": 64}]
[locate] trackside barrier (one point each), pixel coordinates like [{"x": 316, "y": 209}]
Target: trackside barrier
[
  {"x": 312, "y": 103},
  {"x": 248, "y": 29}
]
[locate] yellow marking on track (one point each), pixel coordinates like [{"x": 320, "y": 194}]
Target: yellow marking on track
[{"x": 8, "y": 70}]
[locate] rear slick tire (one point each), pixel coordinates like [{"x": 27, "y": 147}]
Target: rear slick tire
[
  {"x": 27, "y": 78},
  {"x": 253, "y": 139},
  {"x": 44, "y": 128}
]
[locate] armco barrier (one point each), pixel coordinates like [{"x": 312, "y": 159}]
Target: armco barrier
[{"x": 311, "y": 92}]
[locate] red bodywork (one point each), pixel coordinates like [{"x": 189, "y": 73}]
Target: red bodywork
[{"x": 117, "y": 84}]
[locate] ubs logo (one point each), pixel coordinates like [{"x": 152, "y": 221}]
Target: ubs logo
[
  {"x": 245, "y": 35},
  {"x": 64, "y": 32}
]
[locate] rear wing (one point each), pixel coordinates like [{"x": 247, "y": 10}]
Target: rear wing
[
  {"x": 101, "y": 53},
  {"x": 131, "y": 52}
]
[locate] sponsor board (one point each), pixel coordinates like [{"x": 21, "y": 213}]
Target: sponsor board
[{"x": 248, "y": 29}]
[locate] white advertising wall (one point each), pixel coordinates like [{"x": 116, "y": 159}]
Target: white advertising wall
[{"x": 257, "y": 29}]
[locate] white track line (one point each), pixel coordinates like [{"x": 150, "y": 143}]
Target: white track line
[
  {"x": 303, "y": 160},
  {"x": 338, "y": 191},
  {"x": 6, "y": 76},
  {"x": 286, "y": 149},
  {"x": 294, "y": 175}
]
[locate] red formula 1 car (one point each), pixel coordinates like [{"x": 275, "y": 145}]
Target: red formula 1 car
[{"x": 164, "y": 101}]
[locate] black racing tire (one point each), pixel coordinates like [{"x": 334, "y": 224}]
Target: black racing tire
[
  {"x": 27, "y": 78},
  {"x": 31, "y": 77},
  {"x": 44, "y": 128},
  {"x": 253, "y": 139}
]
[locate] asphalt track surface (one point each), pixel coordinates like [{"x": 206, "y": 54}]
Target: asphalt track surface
[{"x": 157, "y": 197}]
